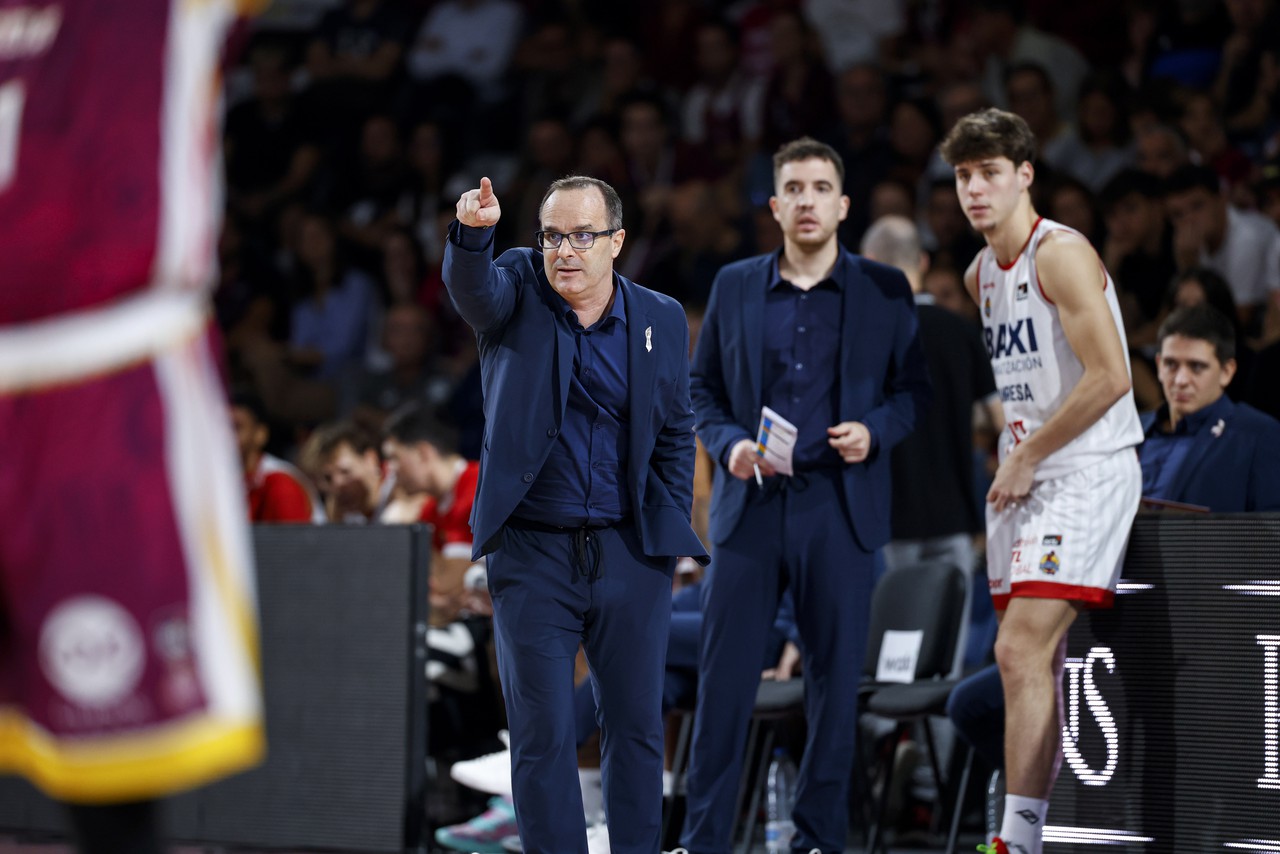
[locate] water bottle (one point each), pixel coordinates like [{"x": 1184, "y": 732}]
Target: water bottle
[{"x": 780, "y": 795}]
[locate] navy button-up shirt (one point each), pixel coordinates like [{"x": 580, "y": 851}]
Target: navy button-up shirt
[
  {"x": 802, "y": 361},
  {"x": 584, "y": 480},
  {"x": 1163, "y": 454}
]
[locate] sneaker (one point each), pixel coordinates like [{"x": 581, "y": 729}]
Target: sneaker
[
  {"x": 997, "y": 846},
  {"x": 598, "y": 839},
  {"x": 512, "y": 844},
  {"x": 484, "y": 833},
  {"x": 490, "y": 773}
]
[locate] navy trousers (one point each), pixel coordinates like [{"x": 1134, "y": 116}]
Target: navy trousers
[
  {"x": 794, "y": 531},
  {"x": 544, "y": 606}
]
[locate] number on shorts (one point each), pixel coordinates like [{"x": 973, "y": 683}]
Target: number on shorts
[{"x": 12, "y": 95}]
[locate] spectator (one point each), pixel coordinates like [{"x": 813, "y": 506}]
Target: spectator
[
  {"x": 411, "y": 376},
  {"x": 1248, "y": 79},
  {"x": 276, "y": 491},
  {"x": 353, "y": 61},
  {"x": 1030, "y": 94},
  {"x": 1139, "y": 245},
  {"x": 1003, "y": 39},
  {"x": 620, "y": 75},
  {"x": 862, "y": 31},
  {"x": 1242, "y": 246},
  {"x": 1202, "y": 126},
  {"x": 1098, "y": 147},
  {"x": 800, "y": 91},
  {"x": 1201, "y": 447},
  {"x": 935, "y": 508},
  {"x": 721, "y": 112},
  {"x": 860, "y": 136},
  {"x": 330, "y": 322},
  {"x": 1160, "y": 150},
  {"x": 462, "y": 51},
  {"x": 367, "y": 191},
  {"x": 1070, "y": 202},
  {"x": 268, "y": 144},
  {"x": 350, "y": 474}
]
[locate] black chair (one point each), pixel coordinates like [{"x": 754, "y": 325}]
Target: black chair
[{"x": 928, "y": 598}]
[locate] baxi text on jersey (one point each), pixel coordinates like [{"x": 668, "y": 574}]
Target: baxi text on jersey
[{"x": 1008, "y": 339}]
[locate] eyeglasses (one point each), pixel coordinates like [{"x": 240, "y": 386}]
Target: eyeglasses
[{"x": 577, "y": 239}]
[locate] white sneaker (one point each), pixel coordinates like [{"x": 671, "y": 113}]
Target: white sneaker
[
  {"x": 598, "y": 839},
  {"x": 490, "y": 773}
]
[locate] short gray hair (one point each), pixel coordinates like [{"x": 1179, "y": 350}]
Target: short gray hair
[{"x": 893, "y": 240}]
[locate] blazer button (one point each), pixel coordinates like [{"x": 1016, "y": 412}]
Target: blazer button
[
  {"x": 527, "y": 477},
  {"x": 551, "y": 432}
]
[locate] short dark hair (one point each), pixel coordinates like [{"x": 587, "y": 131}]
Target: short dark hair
[
  {"x": 1130, "y": 182},
  {"x": 328, "y": 438},
  {"x": 1203, "y": 323},
  {"x": 414, "y": 423},
  {"x": 1192, "y": 176},
  {"x": 249, "y": 400},
  {"x": 1035, "y": 69},
  {"x": 612, "y": 201},
  {"x": 989, "y": 133},
  {"x": 806, "y": 148}
]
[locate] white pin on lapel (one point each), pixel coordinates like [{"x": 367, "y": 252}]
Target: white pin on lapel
[
  {"x": 648, "y": 339},
  {"x": 1217, "y": 429}
]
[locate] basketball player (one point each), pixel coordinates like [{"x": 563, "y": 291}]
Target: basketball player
[
  {"x": 128, "y": 640},
  {"x": 1067, "y": 489}
]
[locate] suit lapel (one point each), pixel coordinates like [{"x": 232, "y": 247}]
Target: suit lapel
[
  {"x": 854, "y": 300},
  {"x": 643, "y": 351},
  {"x": 753, "y": 330},
  {"x": 1200, "y": 452}
]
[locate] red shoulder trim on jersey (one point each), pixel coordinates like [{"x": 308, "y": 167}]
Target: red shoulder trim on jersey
[
  {"x": 1101, "y": 266},
  {"x": 1034, "y": 226}
]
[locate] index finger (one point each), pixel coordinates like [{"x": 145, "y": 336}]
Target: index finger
[{"x": 486, "y": 189}]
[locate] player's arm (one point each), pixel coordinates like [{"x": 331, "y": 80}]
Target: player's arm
[{"x": 1071, "y": 276}]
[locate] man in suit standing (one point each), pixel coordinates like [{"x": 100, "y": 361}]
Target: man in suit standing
[
  {"x": 1201, "y": 447},
  {"x": 828, "y": 340},
  {"x": 583, "y": 503}
]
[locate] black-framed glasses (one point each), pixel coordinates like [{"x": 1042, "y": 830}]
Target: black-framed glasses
[{"x": 577, "y": 239}]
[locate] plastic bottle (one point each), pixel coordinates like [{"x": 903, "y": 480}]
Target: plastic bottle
[{"x": 780, "y": 796}]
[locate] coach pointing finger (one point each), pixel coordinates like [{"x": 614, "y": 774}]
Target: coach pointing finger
[{"x": 479, "y": 208}]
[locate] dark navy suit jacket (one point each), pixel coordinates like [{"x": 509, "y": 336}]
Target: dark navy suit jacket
[
  {"x": 883, "y": 381},
  {"x": 526, "y": 360},
  {"x": 1229, "y": 468}
]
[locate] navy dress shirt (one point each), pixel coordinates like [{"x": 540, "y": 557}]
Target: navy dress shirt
[
  {"x": 584, "y": 480},
  {"x": 1163, "y": 454},
  {"x": 801, "y": 362}
]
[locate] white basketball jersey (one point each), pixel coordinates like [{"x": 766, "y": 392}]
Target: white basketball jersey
[{"x": 1035, "y": 367}]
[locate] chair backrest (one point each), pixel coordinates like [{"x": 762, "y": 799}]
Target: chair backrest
[{"x": 926, "y": 597}]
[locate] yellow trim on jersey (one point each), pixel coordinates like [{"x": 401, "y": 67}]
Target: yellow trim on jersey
[
  {"x": 231, "y": 595},
  {"x": 162, "y": 761}
]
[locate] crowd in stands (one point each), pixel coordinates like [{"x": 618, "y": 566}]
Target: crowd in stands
[{"x": 353, "y": 125}]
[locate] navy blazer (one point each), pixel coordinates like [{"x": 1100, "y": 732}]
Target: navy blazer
[
  {"x": 526, "y": 360},
  {"x": 883, "y": 381},
  {"x": 1229, "y": 468}
]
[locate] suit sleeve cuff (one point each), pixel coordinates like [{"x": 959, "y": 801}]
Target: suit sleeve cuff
[{"x": 470, "y": 238}]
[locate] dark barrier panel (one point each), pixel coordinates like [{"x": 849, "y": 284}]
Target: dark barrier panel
[
  {"x": 1172, "y": 734},
  {"x": 344, "y": 614}
]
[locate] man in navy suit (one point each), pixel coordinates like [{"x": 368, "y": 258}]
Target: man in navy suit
[
  {"x": 1201, "y": 447},
  {"x": 829, "y": 341},
  {"x": 583, "y": 503}
]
